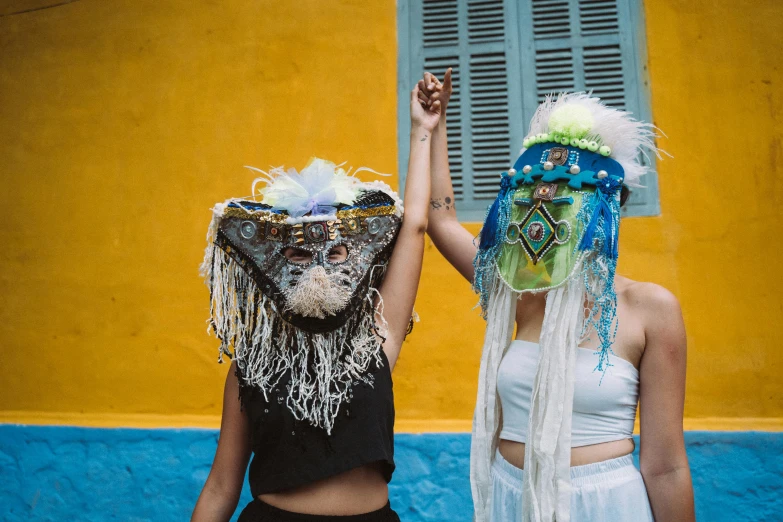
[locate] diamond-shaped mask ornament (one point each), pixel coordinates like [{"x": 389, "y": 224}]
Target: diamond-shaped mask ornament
[
  {"x": 537, "y": 233},
  {"x": 541, "y": 238}
]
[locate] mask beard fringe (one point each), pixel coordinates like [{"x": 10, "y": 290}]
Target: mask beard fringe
[
  {"x": 323, "y": 366},
  {"x": 501, "y": 312},
  {"x": 318, "y": 294},
  {"x": 546, "y": 491},
  {"x": 546, "y": 487}
]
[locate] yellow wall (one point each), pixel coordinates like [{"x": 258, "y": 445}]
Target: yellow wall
[
  {"x": 122, "y": 122},
  {"x": 716, "y": 91}
]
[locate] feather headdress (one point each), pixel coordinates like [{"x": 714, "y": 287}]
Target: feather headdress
[
  {"x": 316, "y": 191},
  {"x": 585, "y": 119}
]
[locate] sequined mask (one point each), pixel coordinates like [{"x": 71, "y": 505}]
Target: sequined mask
[
  {"x": 256, "y": 237},
  {"x": 314, "y": 320}
]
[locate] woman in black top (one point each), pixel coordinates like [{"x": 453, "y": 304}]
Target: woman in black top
[{"x": 314, "y": 289}]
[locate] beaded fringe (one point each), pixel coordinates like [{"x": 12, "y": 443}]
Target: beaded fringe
[{"x": 598, "y": 274}]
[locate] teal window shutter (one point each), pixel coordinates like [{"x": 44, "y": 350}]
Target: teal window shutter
[
  {"x": 507, "y": 55},
  {"x": 589, "y": 45},
  {"x": 477, "y": 39}
]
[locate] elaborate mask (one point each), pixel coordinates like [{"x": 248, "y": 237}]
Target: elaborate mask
[
  {"x": 256, "y": 236},
  {"x": 559, "y": 202},
  {"x": 553, "y": 227},
  {"x": 283, "y": 298}
]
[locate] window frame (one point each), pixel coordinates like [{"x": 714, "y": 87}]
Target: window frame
[{"x": 519, "y": 48}]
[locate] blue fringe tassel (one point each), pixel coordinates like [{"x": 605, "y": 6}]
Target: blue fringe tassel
[
  {"x": 603, "y": 223},
  {"x": 491, "y": 239},
  {"x": 602, "y": 218},
  {"x": 489, "y": 232},
  {"x": 599, "y": 217}
]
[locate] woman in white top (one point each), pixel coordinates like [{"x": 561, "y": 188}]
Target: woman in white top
[{"x": 648, "y": 364}]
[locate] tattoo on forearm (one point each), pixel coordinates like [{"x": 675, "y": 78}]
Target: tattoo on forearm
[
  {"x": 446, "y": 203},
  {"x": 424, "y": 138}
]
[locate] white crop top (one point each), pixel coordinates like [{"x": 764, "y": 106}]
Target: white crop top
[{"x": 602, "y": 413}]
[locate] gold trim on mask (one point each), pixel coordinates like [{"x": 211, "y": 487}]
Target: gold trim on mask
[
  {"x": 366, "y": 212},
  {"x": 274, "y": 227},
  {"x": 258, "y": 216}
]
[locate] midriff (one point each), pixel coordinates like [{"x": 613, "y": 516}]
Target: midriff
[
  {"x": 356, "y": 491},
  {"x": 514, "y": 452}
]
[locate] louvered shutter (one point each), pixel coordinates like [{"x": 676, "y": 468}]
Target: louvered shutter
[
  {"x": 507, "y": 55},
  {"x": 584, "y": 45},
  {"x": 477, "y": 39}
]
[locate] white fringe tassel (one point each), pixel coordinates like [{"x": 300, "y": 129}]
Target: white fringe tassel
[
  {"x": 323, "y": 366},
  {"x": 501, "y": 313},
  {"x": 547, "y": 483}
]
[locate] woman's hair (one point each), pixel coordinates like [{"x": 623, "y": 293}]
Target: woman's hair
[{"x": 625, "y": 192}]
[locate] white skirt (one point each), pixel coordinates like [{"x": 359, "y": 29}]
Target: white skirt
[{"x": 608, "y": 491}]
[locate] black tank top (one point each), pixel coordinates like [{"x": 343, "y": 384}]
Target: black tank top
[{"x": 288, "y": 453}]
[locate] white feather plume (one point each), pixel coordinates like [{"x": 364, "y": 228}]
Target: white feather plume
[
  {"x": 313, "y": 193},
  {"x": 626, "y": 136}
]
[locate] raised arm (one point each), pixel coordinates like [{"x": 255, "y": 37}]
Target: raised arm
[
  {"x": 220, "y": 495},
  {"x": 399, "y": 287},
  {"x": 450, "y": 237},
  {"x": 662, "y": 458}
]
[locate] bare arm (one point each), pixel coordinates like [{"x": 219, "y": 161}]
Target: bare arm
[
  {"x": 450, "y": 237},
  {"x": 220, "y": 495},
  {"x": 399, "y": 287},
  {"x": 663, "y": 461}
]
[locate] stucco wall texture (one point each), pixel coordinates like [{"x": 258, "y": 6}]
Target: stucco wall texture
[
  {"x": 121, "y": 123},
  {"x": 91, "y": 475}
]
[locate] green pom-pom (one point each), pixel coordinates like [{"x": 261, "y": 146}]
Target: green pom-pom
[
  {"x": 555, "y": 137},
  {"x": 574, "y": 142},
  {"x": 573, "y": 120},
  {"x": 583, "y": 143},
  {"x": 565, "y": 140},
  {"x": 526, "y": 143},
  {"x": 592, "y": 146},
  {"x": 605, "y": 150}
]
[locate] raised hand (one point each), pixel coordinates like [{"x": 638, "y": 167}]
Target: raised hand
[
  {"x": 426, "y": 115},
  {"x": 431, "y": 90}
]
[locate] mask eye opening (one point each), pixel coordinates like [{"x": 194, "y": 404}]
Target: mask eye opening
[
  {"x": 297, "y": 256},
  {"x": 337, "y": 254}
]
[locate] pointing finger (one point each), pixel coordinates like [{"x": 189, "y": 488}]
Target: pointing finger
[{"x": 447, "y": 80}]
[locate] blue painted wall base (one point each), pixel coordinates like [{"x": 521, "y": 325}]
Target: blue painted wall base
[{"x": 134, "y": 475}]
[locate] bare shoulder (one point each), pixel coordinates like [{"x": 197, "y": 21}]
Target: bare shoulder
[
  {"x": 660, "y": 314},
  {"x": 232, "y": 381},
  {"x": 648, "y": 298}
]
